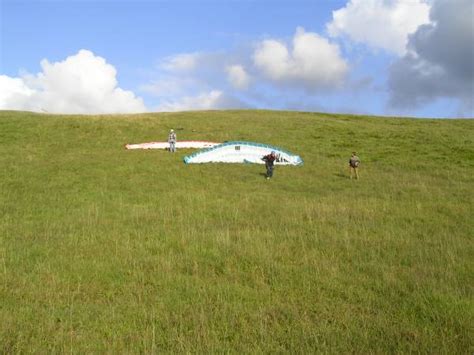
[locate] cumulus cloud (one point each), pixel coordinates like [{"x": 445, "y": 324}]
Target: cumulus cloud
[
  {"x": 440, "y": 59},
  {"x": 238, "y": 77},
  {"x": 252, "y": 75},
  {"x": 311, "y": 62},
  {"x": 186, "y": 74},
  {"x": 198, "y": 81},
  {"x": 82, "y": 83},
  {"x": 13, "y": 92},
  {"x": 212, "y": 100},
  {"x": 382, "y": 24}
]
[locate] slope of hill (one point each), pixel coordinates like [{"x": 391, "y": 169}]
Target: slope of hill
[{"x": 104, "y": 249}]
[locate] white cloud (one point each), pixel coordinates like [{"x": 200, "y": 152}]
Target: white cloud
[
  {"x": 252, "y": 76},
  {"x": 312, "y": 62},
  {"x": 382, "y": 24},
  {"x": 185, "y": 75},
  {"x": 238, "y": 77},
  {"x": 82, "y": 83},
  {"x": 213, "y": 100},
  {"x": 13, "y": 92},
  {"x": 204, "y": 101},
  {"x": 168, "y": 86},
  {"x": 195, "y": 81},
  {"x": 181, "y": 62}
]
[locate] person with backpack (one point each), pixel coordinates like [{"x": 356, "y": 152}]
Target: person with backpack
[
  {"x": 172, "y": 141},
  {"x": 269, "y": 163},
  {"x": 354, "y": 162}
]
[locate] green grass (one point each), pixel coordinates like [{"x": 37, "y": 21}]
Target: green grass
[{"x": 108, "y": 250}]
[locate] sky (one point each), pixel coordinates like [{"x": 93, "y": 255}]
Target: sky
[{"x": 378, "y": 57}]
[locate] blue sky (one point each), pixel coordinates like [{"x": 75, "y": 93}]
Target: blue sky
[{"x": 352, "y": 56}]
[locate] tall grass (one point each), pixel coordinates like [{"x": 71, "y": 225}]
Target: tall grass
[{"x": 108, "y": 250}]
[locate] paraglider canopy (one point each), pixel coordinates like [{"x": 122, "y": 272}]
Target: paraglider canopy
[{"x": 242, "y": 152}]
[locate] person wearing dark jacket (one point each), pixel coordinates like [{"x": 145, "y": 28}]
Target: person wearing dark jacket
[{"x": 269, "y": 163}]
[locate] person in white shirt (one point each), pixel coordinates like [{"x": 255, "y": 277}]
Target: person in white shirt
[{"x": 172, "y": 141}]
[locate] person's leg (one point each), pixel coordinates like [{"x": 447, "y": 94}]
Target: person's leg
[
  {"x": 356, "y": 173},
  {"x": 270, "y": 171},
  {"x": 350, "y": 172}
]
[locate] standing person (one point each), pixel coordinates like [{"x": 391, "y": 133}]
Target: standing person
[
  {"x": 172, "y": 141},
  {"x": 354, "y": 162},
  {"x": 269, "y": 162}
]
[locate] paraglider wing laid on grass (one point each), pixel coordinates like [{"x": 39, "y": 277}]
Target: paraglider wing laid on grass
[
  {"x": 165, "y": 145},
  {"x": 242, "y": 152}
]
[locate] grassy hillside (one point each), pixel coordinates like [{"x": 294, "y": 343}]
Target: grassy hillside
[{"x": 104, "y": 249}]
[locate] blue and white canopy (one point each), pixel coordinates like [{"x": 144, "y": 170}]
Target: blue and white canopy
[{"x": 242, "y": 152}]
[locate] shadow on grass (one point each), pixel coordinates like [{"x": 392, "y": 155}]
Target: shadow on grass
[{"x": 341, "y": 175}]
